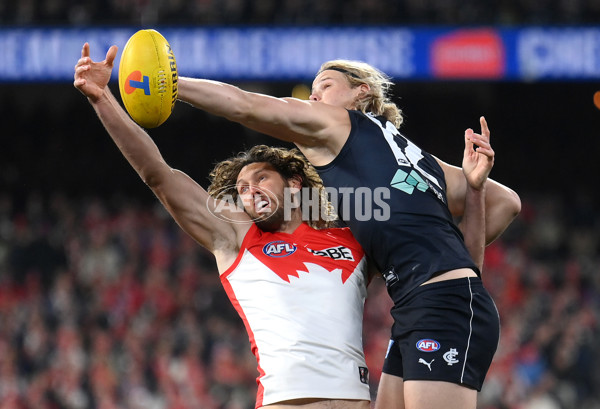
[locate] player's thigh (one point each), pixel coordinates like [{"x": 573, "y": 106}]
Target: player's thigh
[
  {"x": 438, "y": 394},
  {"x": 390, "y": 393}
]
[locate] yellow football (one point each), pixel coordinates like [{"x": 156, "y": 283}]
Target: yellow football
[{"x": 148, "y": 78}]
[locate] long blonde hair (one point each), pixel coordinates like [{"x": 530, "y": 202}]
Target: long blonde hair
[
  {"x": 377, "y": 101},
  {"x": 288, "y": 162}
]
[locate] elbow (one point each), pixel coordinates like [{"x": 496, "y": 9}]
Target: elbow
[
  {"x": 152, "y": 177},
  {"x": 504, "y": 203},
  {"x": 500, "y": 214},
  {"x": 514, "y": 203},
  {"x": 152, "y": 181}
]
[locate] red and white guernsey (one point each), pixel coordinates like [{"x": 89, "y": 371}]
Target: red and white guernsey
[{"x": 301, "y": 297}]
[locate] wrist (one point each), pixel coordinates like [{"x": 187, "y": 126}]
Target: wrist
[
  {"x": 101, "y": 98},
  {"x": 480, "y": 187}
]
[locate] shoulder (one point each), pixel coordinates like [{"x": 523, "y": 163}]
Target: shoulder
[
  {"x": 253, "y": 233},
  {"x": 359, "y": 119},
  {"x": 228, "y": 252},
  {"x": 340, "y": 234}
]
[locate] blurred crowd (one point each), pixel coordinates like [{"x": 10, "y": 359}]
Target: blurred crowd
[
  {"x": 106, "y": 304},
  {"x": 299, "y": 12}
]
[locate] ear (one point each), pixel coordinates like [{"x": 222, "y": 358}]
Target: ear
[
  {"x": 364, "y": 89},
  {"x": 295, "y": 182}
]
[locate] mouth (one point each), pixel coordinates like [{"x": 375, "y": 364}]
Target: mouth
[{"x": 262, "y": 206}]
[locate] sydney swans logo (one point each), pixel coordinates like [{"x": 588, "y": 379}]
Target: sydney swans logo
[{"x": 225, "y": 205}]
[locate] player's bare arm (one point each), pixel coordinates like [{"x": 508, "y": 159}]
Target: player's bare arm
[
  {"x": 476, "y": 166},
  {"x": 320, "y": 129},
  {"x": 502, "y": 204},
  {"x": 185, "y": 200}
]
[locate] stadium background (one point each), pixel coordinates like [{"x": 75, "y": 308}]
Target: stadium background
[{"x": 105, "y": 304}]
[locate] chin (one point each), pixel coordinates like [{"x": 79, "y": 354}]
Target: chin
[{"x": 270, "y": 222}]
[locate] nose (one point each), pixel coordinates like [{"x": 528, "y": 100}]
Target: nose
[
  {"x": 249, "y": 191},
  {"x": 252, "y": 189},
  {"x": 313, "y": 97},
  {"x": 249, "y": 195}
]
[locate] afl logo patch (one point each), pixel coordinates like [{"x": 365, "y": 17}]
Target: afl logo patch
[
  {"x": 428, "y": 345},
  {"x": 279, "y": 248}
]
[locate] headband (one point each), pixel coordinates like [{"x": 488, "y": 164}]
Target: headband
[{"x": 343, "y": 71}]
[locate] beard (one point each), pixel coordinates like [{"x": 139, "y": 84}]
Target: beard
[{"x": 271, "y": 222}]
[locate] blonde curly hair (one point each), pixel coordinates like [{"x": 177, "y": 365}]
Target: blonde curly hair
[
  {"x": 288, "y": 162},
  {"x": 377, "y": 101}
]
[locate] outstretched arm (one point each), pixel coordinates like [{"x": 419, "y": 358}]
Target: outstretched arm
[
  {"x": 502, "y": 204},
  {"x": 185, "y": 200},
  {"x": 313, "y": 126}
]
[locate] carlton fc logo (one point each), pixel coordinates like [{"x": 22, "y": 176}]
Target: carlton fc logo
[
  {"x": 279, "y": 248},
  {"x": 428, "y": 345}
]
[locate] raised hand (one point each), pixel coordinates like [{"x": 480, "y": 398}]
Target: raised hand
[
  {"x": 92, "y": 77},
  {"x": 478, "y": 158}
]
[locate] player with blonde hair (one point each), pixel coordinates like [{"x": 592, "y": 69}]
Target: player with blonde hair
[
  {"x": 446, "y": 326},
  {"x": 376, "y": 100}
]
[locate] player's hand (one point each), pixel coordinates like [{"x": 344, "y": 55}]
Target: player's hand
[
  {"x": 478, "y": 158},
  {"x": 91, "y": 78}
]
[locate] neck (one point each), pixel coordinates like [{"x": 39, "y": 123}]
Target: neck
[{"x": 289, "y": 226}]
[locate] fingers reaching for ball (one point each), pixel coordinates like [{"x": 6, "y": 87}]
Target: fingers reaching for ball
[{"x": 91, "y": 77}]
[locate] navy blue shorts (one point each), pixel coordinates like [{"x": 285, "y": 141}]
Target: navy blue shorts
[{"x": 444, "y": 331}]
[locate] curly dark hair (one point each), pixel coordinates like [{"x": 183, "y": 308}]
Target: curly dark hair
[{"x": 288, "y": 162}]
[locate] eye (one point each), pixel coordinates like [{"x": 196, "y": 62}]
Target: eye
[{"x": 242, "y": 189}]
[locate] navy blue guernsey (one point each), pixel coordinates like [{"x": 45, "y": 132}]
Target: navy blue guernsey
[{"x": 392, "y": 195}]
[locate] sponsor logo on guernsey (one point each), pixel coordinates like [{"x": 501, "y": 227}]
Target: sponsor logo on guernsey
[
  {"x": 428, "y": 345},
  {"x": 279, "y": 248},
  {"x": 336, "y": 253}
]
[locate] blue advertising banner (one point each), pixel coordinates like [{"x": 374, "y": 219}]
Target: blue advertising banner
[{"x": 277, "y": 54}]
